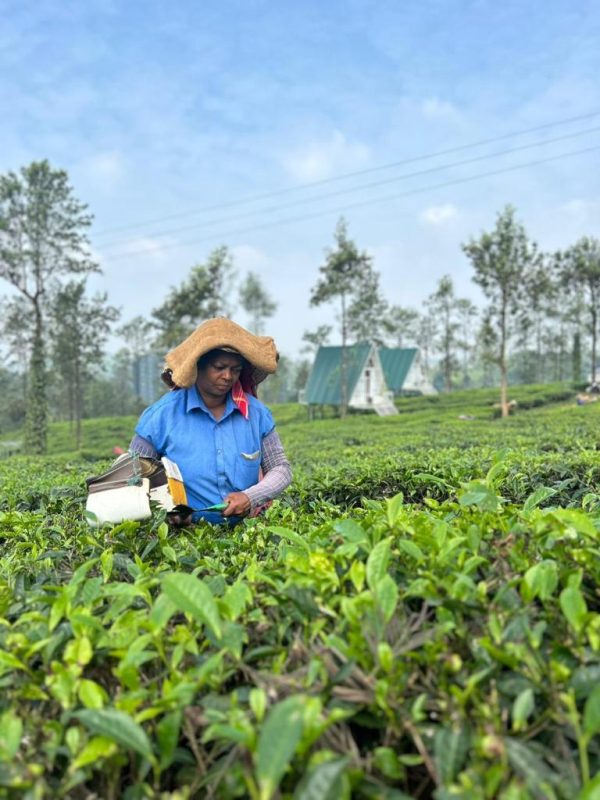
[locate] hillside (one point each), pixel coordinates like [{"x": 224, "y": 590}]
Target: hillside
[{"x": 101, "y": 435}]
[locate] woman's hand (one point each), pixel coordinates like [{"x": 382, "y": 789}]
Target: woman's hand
[{"x": 239, "y": 505}]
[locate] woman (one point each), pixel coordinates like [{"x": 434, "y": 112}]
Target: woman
[{"x": 213, "y": 427}]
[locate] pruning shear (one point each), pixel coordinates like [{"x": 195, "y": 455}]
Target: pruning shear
[
  {"x": 216, "y": 507},
  {"x": 187, "y": 510}
]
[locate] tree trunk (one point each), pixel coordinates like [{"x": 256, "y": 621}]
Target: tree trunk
[
  {"x": 594, "y": 336},
  {"x": 343, "y": 364},
  {"x": 576, "y": 357},
  {"x": 78, "y": 404},
  {"x": 503, "y": 365},
  {"x": 36, "y": 415}
]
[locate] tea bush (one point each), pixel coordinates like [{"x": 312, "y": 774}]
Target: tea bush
[{"x": 419, "y": 617}]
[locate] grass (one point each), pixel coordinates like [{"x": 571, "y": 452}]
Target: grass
[{"x": 101, "y": 435}]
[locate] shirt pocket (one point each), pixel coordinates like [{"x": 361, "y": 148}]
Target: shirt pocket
[{"x": 247, "y": 467}]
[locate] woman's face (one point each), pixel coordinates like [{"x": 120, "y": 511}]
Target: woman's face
[{"x": 217, "y": 376}]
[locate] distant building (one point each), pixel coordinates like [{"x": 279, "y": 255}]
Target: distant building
[
  {"x": 146, "y": 377},
  {"x": 404, "y": 371},
  {"x": 375, "y": 375}
]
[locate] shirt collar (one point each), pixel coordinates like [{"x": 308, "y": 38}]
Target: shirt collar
[{"x": 194, "y": 400}]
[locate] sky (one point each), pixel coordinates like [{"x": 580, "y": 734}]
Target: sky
[{"x": 189, "y": 125}]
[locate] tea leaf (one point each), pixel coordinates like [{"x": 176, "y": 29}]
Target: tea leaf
[
  {"x": 538, "y": 496},
  {"x": 386, "y": 596},
  {"x": 526, "y": 762},
  {"x": 591, "y": 790},
  {"x": 11, "y": 730},
  {"x": 394, "y": 508},
  {"x": 323, "y": 782},
  {"x": 413, "y": 550},
  {"x": 522, "y": 709},
  {"x": 190, "y": 595},
  {"x": 377, "y": 563},
  {"x": 98, "y": 747},
  {"x": 291, "y": 536},
  {"x": 119, "y": 727},
  {"x": 167, "y": 734},
  {"x": 450, "y": 751},
  {"x": 574, "y": 607},
  {"x": 480, "y": 495},
  {"x": 277, "y": 742},
  {"x": 591, "y": 713},
  {"x": 540, "y": 580},
  {"x": 91, "y": 694}
]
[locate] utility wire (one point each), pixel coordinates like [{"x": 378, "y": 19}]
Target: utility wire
[
  {"x": 361, "y": 204},
  {"x": 345, "y": 176},
  {"x": 360, "y": 187}
]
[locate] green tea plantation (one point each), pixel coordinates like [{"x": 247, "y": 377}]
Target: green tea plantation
[{"x": 418, "y": 617}]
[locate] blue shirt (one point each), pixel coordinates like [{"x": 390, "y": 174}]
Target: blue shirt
[{"x": 215, "y": 457}]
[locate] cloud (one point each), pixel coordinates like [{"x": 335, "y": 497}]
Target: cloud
[
  {"x": 247, "y": 257},
  {"x": 434, "y": 108},
  {"x": 318, "y": 160},
  {"x": 438, "y": 215},
  {"x": 141, "y": 247},
  {"x": 105, "y": 170},
  {"x": 581, "y": 209}
]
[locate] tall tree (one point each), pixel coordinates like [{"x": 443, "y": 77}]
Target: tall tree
[
  {"x": 315, "y": 339},
  {"x": 467, "y": 312},
  {"x": 17, "y": 338},
  {"x": 502, "y": 260},
  {"x": 42, "y": 238},
  {"x": 202, "y": 295},
  {"x": 137, "y": 335},
  {"x": 538, "y": 312},
  {"x": 220, "y": 271},
  {"x": 426, "y": 332},
  {"x": 442, "y": 304},
  {"x": 279, "y": 388},
  {"x": 139, "y": 341},
  {"x": 340, "y": 275},
  {"x": 80, "y": 327},
  {"x": 110, "y": 393},
  {"x": 401, "y": 325},
  {"x": 12, "y": 408},
  {"x": 580, "y": 268},
  {"x": 256, "y": 302},
  {"x": 368, "y": 309},
  {"x": 486, "y": 348}
]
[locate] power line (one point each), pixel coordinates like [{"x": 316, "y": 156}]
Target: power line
[
  {"x": 363, "y": 203},
  {"x": 345, "y": 176},
  {"x": 361, "y": 187}
]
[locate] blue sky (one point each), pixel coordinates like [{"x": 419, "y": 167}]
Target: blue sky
[{"x": 159, "y": 111}]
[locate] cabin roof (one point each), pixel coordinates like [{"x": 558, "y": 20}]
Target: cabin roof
[{"x": 324, "y": 383}]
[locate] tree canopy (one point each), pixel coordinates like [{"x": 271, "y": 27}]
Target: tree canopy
[{"x": 43, "y": 237}]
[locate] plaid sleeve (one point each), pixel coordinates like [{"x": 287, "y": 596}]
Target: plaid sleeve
[
  {"x": 277, "y": 474},
  {"x": 142, "y": 447}
]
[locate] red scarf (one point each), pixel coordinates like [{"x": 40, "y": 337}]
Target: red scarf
[{"x": 240, "y": 398}]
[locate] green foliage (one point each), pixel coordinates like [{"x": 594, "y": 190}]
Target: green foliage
[
  {"x": 502, "y": 260},
  {"x": 580, "y": 269},
  {"x": 407, "y": 622},
  {"x": 79, "y": 329},
  {"x": 341, "y": 276},
  {"x": 42, "y": 238},
  {"x": 202, "y": 295},
  {"x": 256, "y": 302}
]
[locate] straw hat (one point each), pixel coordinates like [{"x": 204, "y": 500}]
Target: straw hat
[{"x": 221, "y": 334}]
